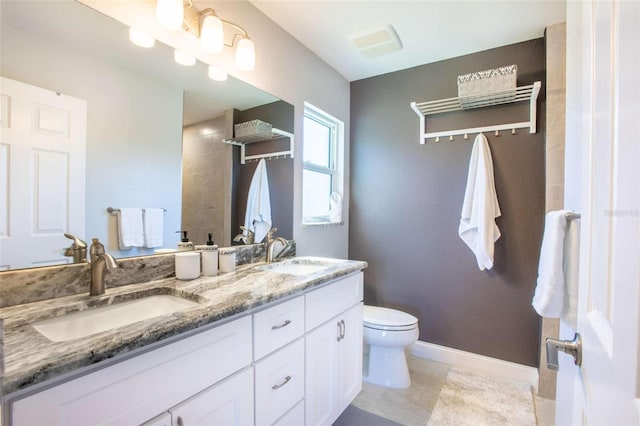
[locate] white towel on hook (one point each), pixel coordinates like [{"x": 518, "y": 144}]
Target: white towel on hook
[
  {"x": 153, "y": 222},
  {"x": 258, "y": 214},
  {"x": 549, "y": 297},
  {"x": 478, "y": 228},
  {"x": 130, "y": 230}
]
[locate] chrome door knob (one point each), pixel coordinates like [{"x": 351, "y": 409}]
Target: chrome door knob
[{"x": 571, "y": 347}]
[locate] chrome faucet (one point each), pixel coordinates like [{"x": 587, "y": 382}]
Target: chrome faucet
[
  {"x": 246, "y": 236},
  {"x": 270, "y": 243},
  {"x": 100, "y": 260},
  {"x": 77, "y": 250}
]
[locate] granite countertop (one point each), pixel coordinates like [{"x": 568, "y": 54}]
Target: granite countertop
[{"x": 31, "y": 358}]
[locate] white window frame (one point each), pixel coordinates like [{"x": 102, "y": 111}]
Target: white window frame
[{"x": 336, "y": 159}]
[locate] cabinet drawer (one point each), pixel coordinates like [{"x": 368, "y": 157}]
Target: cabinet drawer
[
  {"x": 277, "y": 326},
  {"x": 327, "y": 302},
  {"x": 135, "y": 390},
  {"x": 295, "y": 417},
  {"x": 279, "y": 382}
]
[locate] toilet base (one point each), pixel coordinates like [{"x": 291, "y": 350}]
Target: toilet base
[{"x": 389, "y": 367}]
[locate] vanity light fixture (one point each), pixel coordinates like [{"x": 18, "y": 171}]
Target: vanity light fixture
[
  {"x": 211, "y": 33},
  {"x": 209, "y": 28},
  {"x": 183, "y": 58},
  {"x": 217, "y": 74},
  {"x": 245, "y": 55},
  {"x": 170, "y": 13},
  {"x": 140, "y": 39}
]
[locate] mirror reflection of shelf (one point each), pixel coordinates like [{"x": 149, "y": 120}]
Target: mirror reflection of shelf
[
  {"x": 519, "y": 94},
  {"x": 261, "y": 137}
]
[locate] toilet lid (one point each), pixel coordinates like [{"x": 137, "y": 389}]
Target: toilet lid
[{"x": 385, "y": 318}]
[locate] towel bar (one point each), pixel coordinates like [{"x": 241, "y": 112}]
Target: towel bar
[
  {"x": 572, "y": 216},
  {"x": 112, "y": 210}
]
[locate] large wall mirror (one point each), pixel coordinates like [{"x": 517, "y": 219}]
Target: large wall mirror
[{"x": 153, "y": 138}]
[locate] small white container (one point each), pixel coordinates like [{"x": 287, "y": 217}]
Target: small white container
[
  {"x": 209, "y": 259},
  {"x": 227, "y": 260},
  {"x": 187, "y": 265}
]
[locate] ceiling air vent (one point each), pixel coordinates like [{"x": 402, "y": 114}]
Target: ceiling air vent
[{"x": 377, "y": 42}]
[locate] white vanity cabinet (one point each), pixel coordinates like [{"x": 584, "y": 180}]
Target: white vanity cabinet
[
  {"x": 294, "y": 363},
  {"x": 333, "y": 349},
  {"x": 135, "y": 390}
]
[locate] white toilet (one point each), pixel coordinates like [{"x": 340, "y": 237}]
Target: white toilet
[{"x": 386, "y": 334}]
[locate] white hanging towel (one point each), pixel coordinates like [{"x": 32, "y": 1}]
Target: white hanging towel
[
  {"x": 153, "y": 222},
  {"x": 258, "y": 214},
  {"x": 551, "y": 298},
  {"x": 130, "y": 230},
  {"x": 571, "y": 264},
  {"x": 478, "y": 228}
]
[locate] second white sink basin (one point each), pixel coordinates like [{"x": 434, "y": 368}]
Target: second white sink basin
[
  {"x": 299, "y": 265},
  {"x": 85, "y": 323}
]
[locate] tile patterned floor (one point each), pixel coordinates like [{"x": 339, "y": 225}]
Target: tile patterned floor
[{"x": 414, "y": 405}]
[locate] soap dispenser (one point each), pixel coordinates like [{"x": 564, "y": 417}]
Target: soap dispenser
[
  {"x": 209, "y": 257},
  {"x": 185, "y": 244}
]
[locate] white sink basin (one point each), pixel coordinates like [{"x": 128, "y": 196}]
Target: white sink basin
[
  {"x": 299, "y": 266},
  {"x": 85, "y": 323}
]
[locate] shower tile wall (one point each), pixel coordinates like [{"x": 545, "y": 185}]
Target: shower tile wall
[
  {"x": 554, "y": 170},
  {"x": 206, "y": 180}
]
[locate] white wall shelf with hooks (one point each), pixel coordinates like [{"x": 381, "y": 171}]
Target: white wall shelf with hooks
[
  {"x": 242, "y": 142},
  {"x": 519, "y": 94}
]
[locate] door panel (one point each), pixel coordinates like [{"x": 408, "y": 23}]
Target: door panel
[
  {"x": 603, "y": 124},
  {"x": 43, "y": 156}
]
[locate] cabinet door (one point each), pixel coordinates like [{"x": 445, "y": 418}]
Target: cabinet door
[
  {"x": 350, "y": 357},
  {"x": 228, "y": 403},
  {"x": 163, "y": 419},
  {"x": 322, "y": 373}
]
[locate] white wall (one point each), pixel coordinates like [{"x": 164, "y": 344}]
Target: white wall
[
  {"x": 128, "y": 165},
  {"x": 284, "y": 68}
]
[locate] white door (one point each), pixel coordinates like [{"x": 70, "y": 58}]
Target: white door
[
  {"x": 603, "y": 126},
  {"x": 42, "y": 174}
]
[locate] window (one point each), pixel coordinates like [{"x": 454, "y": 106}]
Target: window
[{"x": 322, "y": 180}]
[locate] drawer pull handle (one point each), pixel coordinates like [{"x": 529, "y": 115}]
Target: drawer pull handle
[
  {"x": 286, "y": 380},
  {"x": 284, "y": 324},
  {"x": 344, "y": 329},
  {"x": 339, "y": 331},
  {"x": 179, "y": 422}
]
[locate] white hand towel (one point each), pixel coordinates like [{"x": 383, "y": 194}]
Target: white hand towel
[
  {"x": 153, "y": 221},
  {"x": 480, "y": 207},
  {"x": 130, "y": 231},
  {"x": 258, "y": 214},
  {"x": 569, "y": 313},
  {"x": 549, "y": 298}
]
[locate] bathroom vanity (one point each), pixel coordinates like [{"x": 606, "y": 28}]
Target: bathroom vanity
[{"x": 261, "y": 345}]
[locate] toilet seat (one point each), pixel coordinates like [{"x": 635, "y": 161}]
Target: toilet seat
[{"x": 387, "y": 319}]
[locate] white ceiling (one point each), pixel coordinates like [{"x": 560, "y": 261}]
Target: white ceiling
[{"x": 430, "y": 30}]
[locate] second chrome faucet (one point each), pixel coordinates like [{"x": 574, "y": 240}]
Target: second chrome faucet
[{"x": 100, "y": 260}]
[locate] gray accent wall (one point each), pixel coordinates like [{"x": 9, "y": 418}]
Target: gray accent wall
[
  {"x": 279, "y": 171},
  {"x": 407, "y": 197}
]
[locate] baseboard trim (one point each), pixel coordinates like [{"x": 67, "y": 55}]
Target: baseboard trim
[{"x": 479, "y": 363}]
